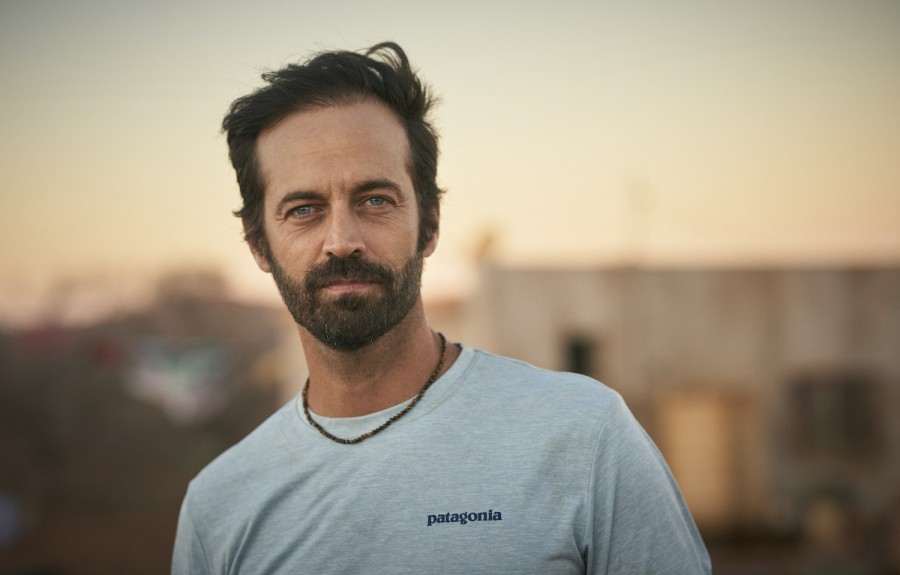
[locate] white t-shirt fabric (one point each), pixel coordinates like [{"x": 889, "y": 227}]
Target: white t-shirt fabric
[{"x": 501, "y": 468}]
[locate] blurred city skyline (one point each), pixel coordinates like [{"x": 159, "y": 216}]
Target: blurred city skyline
[{"x": 573, "y": 133}]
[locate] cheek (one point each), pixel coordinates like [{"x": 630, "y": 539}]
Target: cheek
[
  {"x": 290, "y": 243},
  {"x": 294, "y": 257},
  {"x": 407, "y": 243}
]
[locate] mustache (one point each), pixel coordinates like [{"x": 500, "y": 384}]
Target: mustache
[{"x": 353, "y": 269}]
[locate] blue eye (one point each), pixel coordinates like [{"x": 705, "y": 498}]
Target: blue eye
[
  {"x": 376, "y": 202},
  {"x": 302, "y": 210}
]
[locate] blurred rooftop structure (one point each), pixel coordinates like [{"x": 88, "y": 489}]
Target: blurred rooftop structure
[{"x": 102, "y": 425}]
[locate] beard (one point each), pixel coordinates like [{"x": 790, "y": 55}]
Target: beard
[{"x": 351, "y": 321}]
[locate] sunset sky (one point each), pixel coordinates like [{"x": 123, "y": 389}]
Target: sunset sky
[{"x": 574, "y": 133}]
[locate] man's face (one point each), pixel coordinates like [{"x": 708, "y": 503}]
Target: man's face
[{"x": 342, "y": 221}]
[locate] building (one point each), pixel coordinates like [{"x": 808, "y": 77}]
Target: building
[
  {"x": 103, "y": 425},
  {"x": 769, "y": 391}
]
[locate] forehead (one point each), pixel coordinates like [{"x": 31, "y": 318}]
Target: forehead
[{"x": 334, "y": 145}]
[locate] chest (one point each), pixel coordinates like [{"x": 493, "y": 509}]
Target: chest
[{"x": 465, "y": 505}]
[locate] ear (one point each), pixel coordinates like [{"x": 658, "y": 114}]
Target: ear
[
  {"x": 260, "y": 259},
  {"x": 258, "y": 248},
  {"x": 431, "y": 245}
]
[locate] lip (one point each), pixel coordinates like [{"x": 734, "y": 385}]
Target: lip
[{"x": 348, "y": 286}]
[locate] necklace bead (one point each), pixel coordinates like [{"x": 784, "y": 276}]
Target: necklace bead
[{"x": 386, "y": 424}]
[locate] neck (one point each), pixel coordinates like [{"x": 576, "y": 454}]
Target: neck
[{"x": 385, "y": 373}]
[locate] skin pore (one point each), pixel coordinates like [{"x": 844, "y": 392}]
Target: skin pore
[{"x": 342, "y": 223}]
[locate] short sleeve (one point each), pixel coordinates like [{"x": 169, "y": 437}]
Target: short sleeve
[
  {"x": 188, "y": 557},
  {"x": 640, "y": 522}
]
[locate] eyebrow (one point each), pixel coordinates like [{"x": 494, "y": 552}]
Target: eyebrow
[
  {"x": 294, "y": 197},
  {"x": 376, "y": 184},
  {"x": 360, "y": 188}
]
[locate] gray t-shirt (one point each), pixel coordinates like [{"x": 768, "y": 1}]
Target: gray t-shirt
[{"x": 501, "y": 468}]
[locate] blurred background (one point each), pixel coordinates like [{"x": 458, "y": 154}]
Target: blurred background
[{"x": 697, "y": 203}]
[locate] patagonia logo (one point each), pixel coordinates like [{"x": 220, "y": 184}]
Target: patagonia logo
[{"x": 463, "y": 518}]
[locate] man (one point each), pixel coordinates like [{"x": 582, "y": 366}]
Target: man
[{"x": 403, "y": 453}]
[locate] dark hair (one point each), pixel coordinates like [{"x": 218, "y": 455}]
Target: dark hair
[{"x": 334, "y": 79}]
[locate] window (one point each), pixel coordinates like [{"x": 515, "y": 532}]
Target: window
[
  {"x": 836, "y": 414},
  {"x": 581, "y": 356}
]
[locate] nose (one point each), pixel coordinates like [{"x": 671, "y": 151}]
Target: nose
[{"x": 343, "y": 237}]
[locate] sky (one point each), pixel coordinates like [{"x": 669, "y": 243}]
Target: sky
[{"x": 573, "y": 133}]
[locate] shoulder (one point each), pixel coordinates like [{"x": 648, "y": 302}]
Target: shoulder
[
  {"x": 517, "y": 377},
  {"x": 553, "y": 397},
  {"x": 263, "y": 450}
]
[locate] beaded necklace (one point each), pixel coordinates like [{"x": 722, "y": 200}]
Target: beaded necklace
[{"x": 387, "y": 423}]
